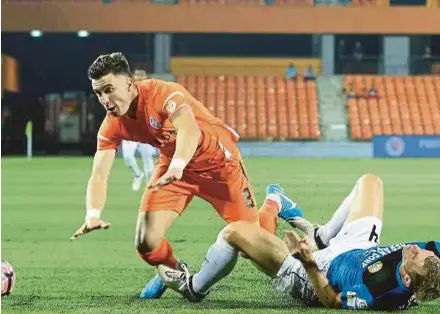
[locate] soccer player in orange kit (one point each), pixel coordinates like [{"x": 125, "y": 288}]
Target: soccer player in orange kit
[{"x": 198, "y": 157}]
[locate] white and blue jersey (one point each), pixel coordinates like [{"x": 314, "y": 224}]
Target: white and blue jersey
[
  {"x": 371, "y": 278},
  {"x": 366, "y": 275}
]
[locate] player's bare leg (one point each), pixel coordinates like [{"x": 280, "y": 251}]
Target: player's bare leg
[
  {"x": 365, "y": 200},
  {"x": 276, "y": 204},
  {"x": 150, "y": 241},
  {"x": 154, "y": 248},
  {"x": 368, "y": 201},
  {"x": 265, "y": 249},
  {"x": 223, "y": 254}
]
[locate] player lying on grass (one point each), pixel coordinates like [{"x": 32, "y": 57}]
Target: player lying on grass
[
  {"x": 349, "y": 271},
  {"x": 198, "y": 157}
]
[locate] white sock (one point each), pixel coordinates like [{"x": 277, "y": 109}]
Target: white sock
[
  {"x": 132, "y": 164},
  {"x": 219, "y": 262},
  {"x": 332, "y": 228},
  {"x": 276, "y": 198}
]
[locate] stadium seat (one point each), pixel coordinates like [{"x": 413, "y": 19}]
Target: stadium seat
[
  {"x": 231, "y": 102},
  {"x": 221, "y": 98},
  {"x": 251, "y": 107},
  {"x": 405, "y": 105},
  {"x": 260, "y": 107}
]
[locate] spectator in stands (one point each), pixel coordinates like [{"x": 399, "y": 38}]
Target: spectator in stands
[
  {"x": 358, "y": 53},
  {"x": 309, "y": 73},
  {"x": 291, "y": 72},
  {"x": 350, "y": 93},
  {"x": 364, "y": 90},
  {"x": 139, "y": 74},
  {"x": 427, "y": 53},
  {"x": 372, "y": 92},
  {"x": 341, "y": 48}
]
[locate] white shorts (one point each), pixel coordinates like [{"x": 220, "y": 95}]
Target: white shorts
[
  {"x": 129, "y": 149},
  {"x": 363, "y": 233}
]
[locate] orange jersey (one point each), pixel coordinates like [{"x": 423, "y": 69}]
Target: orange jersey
[{"x": 158, "y": 101}]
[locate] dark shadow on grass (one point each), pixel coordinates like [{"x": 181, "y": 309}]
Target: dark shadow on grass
[
  {"x": 177, "y": 302},
  {"x": 20, "y": 301}
]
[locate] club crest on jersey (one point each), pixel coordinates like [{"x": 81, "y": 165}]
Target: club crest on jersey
[
  {"x": 361, "y": 304},
  {"x": 171, "y": 106},
  {"x": 374, "y": 268},
  {"x": 155, "y": 124}
]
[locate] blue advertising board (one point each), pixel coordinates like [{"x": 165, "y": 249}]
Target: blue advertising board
[{"x": 406, "y": 146}]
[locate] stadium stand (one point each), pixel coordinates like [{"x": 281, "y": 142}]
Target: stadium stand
[
  {"x": 240, "y": 66},
  {"x": 260, "y": 107},
  {"x": 408, "y": 105}
]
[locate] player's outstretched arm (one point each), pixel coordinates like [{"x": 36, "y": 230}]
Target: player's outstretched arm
[
  {"x": 302, "y": 250},
  {"x": 96, "y": 193},
  {"x": 188, "y": 136}
]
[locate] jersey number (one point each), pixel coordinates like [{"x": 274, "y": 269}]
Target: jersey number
[
  {"x": 373, "y": 235},
  {"x": 225, "y": 151},
  {"x": 247, "y": 196}
]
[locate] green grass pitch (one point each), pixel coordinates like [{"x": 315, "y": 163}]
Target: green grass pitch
[{"x": 43, "y": 204}]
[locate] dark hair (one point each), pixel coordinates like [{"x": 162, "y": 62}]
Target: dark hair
[
  {"x": 427, "y": 286},
  {"x": 115, "y": 63}
]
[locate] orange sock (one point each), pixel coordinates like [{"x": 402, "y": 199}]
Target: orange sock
[
  {"x": 268, "y": 216},
  {"x": 162, "y": 254}
]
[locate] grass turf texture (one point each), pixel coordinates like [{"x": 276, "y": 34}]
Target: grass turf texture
[{"x": 43, "y": 204}]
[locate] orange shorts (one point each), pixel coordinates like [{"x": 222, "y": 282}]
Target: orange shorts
[{"x": 228, "y": 190}]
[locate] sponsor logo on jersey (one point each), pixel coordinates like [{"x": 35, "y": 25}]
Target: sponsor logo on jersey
[
  {"x": 155, "y": 124},
  {"x": 374, "y": 268},
  {"x": 354, "y": 302},
  {"x": 372, "y": 255},
  {"x": 361, "y": 304},
  {"x": 171, "y": 106}
]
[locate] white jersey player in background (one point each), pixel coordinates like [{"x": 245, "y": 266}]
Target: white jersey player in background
[{"x": 146, "y": 151}]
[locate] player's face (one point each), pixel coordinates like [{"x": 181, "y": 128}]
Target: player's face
[
  {"x": 114, "y": 92},
  {"x": 413, "y": 259}
]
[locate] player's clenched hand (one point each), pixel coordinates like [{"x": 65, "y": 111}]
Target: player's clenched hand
[
  {"x": 171, "y": 175},
  {"x": 90, "y": 225},
  {"x": 300, "y": 248}
]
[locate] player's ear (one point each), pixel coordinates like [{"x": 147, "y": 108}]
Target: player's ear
[
  {"x": 130, "y": 83},
  {"x": 406, "y": 279}
]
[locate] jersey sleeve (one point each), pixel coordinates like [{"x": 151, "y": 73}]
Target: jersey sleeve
[
  {"x": 357, "y": 298},
  {"x": 109, "y": 136},
  {"x": 169, "y": 100}
]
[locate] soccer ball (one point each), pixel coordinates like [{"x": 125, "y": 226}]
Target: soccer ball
[{"x": 8, "y": 278}]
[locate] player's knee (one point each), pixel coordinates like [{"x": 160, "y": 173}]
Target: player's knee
[
  {"x": 233, "y": 231},
  {"x": 371, "y": 178},
  {"x": 147, "y": 240}
]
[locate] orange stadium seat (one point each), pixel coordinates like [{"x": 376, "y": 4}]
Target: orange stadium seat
[
  {"x": 210, "y": 93},
  {"x": 260, "y": 107},
  {"x": 221, "y": 98},
  {"x": 241, "y": 107},
  {"x": 405, "y": 105},
  {"x": 251, "y": 107}
]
